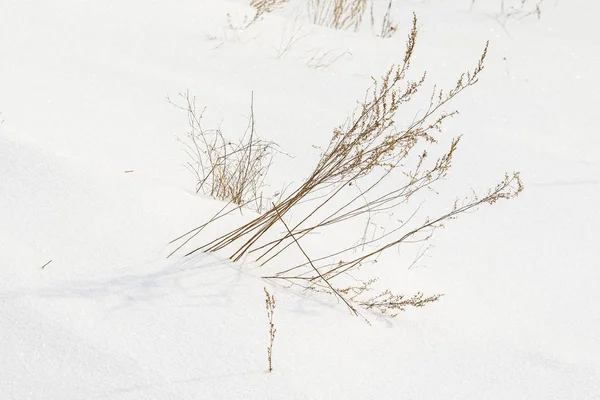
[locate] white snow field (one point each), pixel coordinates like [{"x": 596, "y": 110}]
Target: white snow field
[{"x": 83, "y": 88}]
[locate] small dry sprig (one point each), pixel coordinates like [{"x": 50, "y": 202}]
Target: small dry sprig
[
  {"x": 508, "y": 13},
  {"x": 290, "y": 36},
  {"x": 390, "y": 303},
  {"x": 270, "y": 306},
  {"x": 388, "y": 26}
]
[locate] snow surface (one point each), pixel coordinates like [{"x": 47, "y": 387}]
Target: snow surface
[{"x": 82, "y": 100}]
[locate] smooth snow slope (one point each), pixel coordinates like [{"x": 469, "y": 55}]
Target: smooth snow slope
[{"x": 82, "y": 100}]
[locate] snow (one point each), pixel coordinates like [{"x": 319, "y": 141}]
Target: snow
[{"x": 83, "y": 89}]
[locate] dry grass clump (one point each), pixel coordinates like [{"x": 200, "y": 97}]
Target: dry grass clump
[
  {"x": 388, "y": 26},
  {"x": 349, "y": 14},
  {"x": 337, "y": 14},
  {"x": 225, "y": 169},
  {"x": 389, "y": 165}
]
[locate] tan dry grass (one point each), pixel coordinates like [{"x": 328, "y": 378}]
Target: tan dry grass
[
  {"x": 337, "y": 14},
  {"x": 372, "y": 152}
]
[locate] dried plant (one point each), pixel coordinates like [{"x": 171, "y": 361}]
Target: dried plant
[
  {"x": 385, "y": 302},
  {"x": 388, "y": 26},
  {"x": 290, "y": 36},
  {"x": 337, "y": 14},
  {"x": 270, "y": 305},
  {"x": 267, "y": 6},
  {"x": 373, "y": 152},
  {"x": 264, "y": 6},
  {"x": 224, "y": 169},
  {"x": 261, "y": 8},
  {"x": 523, "y": 9}
]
